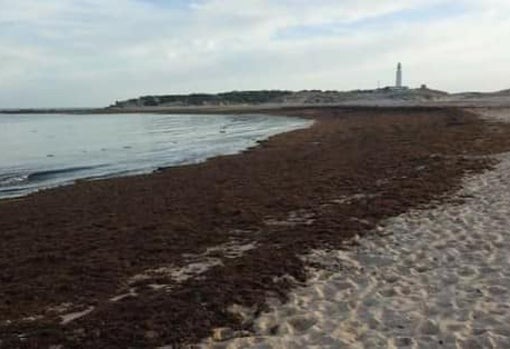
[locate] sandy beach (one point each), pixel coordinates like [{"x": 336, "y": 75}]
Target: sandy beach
[
  {"x": 429, "y": 278},
  {"x": 372, "y": 228}
]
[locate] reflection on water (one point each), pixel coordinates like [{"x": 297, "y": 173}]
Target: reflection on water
[{"x": 41, "y": 151}]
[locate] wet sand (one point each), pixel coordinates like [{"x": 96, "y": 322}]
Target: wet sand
[{"x": 168, "y": 258}]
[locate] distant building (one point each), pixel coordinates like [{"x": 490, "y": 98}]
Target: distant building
[
  {"x": 398, "y": 80},
  {"x": 399, "y": 86},
  {"x": 398, "y": 83}
]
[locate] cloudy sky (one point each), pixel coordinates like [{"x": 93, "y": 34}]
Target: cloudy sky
[{"x": 66, "y": 53}]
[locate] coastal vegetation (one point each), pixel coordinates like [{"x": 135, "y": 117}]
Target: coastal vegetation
[
  {"x": 282, "y": 97},
  {"x": 199, "y": 99}
]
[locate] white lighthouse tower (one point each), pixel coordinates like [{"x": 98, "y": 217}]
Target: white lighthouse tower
[{"x": 398, "y": 83}]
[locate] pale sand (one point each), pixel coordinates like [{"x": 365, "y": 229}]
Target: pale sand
[
  {"x": 197, "y": 264},
  {"x": 435, "y": 278}
]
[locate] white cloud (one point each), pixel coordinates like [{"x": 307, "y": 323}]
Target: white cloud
[{"x": 92, "y": 52}]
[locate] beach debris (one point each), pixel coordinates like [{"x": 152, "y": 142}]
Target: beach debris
[
  {"x": 170, "y": 276},
  {"x": 431, "y": 277},
  {"x": 246, "y": 314},
  {"x": 300, "y": 217},
  {"x": 131, "y": 293},
  {"x": 348, "y": 199},
  {"x": 67, "y": 318},
  {"x": 222, "y": 334}
]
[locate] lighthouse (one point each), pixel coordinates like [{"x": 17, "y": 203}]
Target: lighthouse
[{"x": 398, "y": 83}]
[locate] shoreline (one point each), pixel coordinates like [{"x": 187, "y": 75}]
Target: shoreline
[
  {"x": 243, "y": 141},
  {"x": 488, "y": 102},
  {"x": 428, "y": 278},
  {"x": 261, "y": 108},
  {"x": 182, "y": 247}
]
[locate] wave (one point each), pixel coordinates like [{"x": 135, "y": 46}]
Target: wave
[
  {"x": 49, "y": 174},
  {"x": 10, "y": 190},
  {"x": 12, "y": 179},
  {"x": 20, "y": 179}
]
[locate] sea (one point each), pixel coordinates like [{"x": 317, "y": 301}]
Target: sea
[{"x": 40, "y": 151}]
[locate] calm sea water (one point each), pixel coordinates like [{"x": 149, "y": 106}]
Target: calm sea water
[{"x": 43, "y": 151}]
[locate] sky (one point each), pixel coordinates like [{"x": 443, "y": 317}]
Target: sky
[{"x": 90, "y": 53}]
